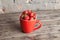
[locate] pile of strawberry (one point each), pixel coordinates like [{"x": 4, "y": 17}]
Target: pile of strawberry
[{"x": 28, "y": 15}]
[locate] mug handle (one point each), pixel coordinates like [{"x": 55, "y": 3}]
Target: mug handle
[{"x": 40, "y": 24}]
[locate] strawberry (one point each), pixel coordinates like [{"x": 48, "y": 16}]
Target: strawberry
[
  {"x": 25, "y": 12},
  {"x": 26, "y": 17},
  {"x": 31, "y": 18},
  {"x": 34, "y": 15},
  {"x": 31, "y": 14},
  {"x": 22, "y": 16}
]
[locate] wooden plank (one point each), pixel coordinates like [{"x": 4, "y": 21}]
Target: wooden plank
[{"x": 10, "y": 27}]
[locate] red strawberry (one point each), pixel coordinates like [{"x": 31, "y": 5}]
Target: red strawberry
[
  {"x": 22, "y": 16},
  {"x": 25, "y": 12},
  {"x": 34, "y": 15},
  {"x": 31, "y": 14},
  {"x": 26, "y": 17},
  {"x": 31, "y": 18}
]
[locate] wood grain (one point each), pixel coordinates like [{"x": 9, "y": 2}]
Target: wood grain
[{"x": 10, "y": 27}]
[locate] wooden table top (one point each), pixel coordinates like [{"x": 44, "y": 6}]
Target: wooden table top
[{"x": 9, "y": 27}]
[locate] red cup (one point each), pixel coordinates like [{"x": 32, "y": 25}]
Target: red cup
[{"x": 29, "y": 25}]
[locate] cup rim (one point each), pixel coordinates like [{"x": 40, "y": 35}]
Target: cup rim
[{"x": 28, "y": 20}]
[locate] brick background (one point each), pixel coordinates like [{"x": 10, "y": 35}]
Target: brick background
[{"x": 19, "y": 5}]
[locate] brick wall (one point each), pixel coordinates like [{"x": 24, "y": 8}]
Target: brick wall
[{"x": 19, "y": 5}]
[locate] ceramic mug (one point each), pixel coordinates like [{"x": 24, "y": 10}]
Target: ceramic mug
[{"x": 29, "y": 25}]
